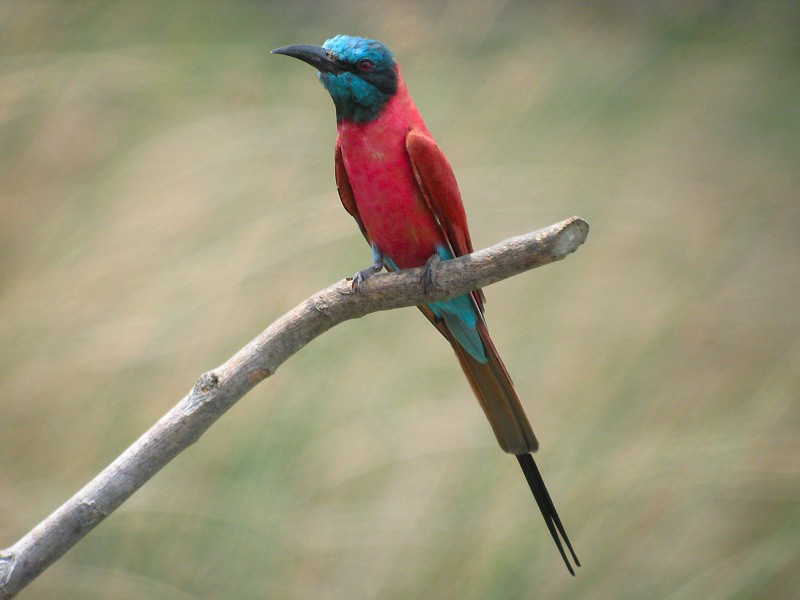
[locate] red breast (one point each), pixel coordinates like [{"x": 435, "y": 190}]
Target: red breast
[{"x": 386, "y": 192}]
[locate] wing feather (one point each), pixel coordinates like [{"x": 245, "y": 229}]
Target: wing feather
[
  {"x": 346, "y": 191},
  {"x": 440, "y": 190}
]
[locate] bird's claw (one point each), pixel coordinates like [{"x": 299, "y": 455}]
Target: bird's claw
[
  {"x": 428, "y": 275},
  {"x": 359, "y": 279},
  {"x": 364, "y": 274}
]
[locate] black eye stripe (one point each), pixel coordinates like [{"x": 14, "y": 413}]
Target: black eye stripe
[
  {"x": 355, "y": 67},
  {"x": 378, "y": 75}
]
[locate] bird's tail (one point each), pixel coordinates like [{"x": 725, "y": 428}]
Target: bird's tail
[
  {"x": 495, "y": 392},
  {"x": 547, "y": 507}
]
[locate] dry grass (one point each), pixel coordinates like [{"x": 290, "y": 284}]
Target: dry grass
[{"x": 166, "y": 190}]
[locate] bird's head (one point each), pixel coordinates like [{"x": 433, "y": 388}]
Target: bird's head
[{"x": 360, "y": 74}]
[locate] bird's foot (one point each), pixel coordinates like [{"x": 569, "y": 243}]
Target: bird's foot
[
  {"x": 428, "y": 275},
  {"x": 364, "y": 274}
]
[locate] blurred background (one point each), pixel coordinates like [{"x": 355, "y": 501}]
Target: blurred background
[{"x": 166, "y": 191}]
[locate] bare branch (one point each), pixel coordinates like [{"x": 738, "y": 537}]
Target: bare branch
[{"x": 216, "y": 391}]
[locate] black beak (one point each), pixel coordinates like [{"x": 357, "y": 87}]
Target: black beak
[{"x": 317, "y": 57}]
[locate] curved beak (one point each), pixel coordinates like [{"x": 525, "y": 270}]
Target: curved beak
[{"x": 316, "y": 56}]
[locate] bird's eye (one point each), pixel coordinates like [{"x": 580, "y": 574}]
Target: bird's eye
[{"x": 364, "y": 65}]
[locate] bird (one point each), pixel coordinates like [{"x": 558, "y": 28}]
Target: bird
[{"x": 393, "y": 179}]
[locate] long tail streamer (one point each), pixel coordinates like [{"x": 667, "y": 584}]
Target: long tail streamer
[{"x": 547, "y": 507}]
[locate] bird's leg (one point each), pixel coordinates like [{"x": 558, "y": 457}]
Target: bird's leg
[
  {"x": 427, "y": 277},
  {"x": 364, "y": 274}
]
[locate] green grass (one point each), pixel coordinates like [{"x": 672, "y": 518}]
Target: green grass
[{"x": 166, "y": 191}]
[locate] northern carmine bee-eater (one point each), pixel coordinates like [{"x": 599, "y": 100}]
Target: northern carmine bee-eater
[{"x": 398, "y": 186}]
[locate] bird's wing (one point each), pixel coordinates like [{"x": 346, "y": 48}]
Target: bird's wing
[
  {"x": 439, "y": 188},
  {"x": 435, "y": 178},
  {"x": 346, "y": 191}
]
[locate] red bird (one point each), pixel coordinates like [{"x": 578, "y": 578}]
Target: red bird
[{"x": 400, "y": 189}]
